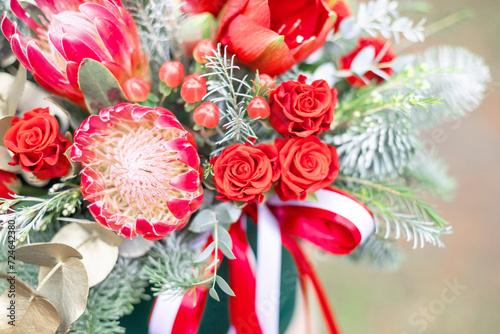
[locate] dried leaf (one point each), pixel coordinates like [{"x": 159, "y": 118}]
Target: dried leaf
[
  {"x": 99, "y": 86},
  {"x": 99, "y": 256},
  {"x": 135, "y": 247},
  {"x": 45, "y": 253},
  {"x": 5, "y": 158},
  {"x": 67, "y": 287},
  {"x": 11, "y": 90},
  {"x": 75, "y": 115},
  {"x": 33, "y": 312},
  {"x": 4, "y": 126}
]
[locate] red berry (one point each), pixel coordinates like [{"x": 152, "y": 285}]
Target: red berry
[
  {"x": 207, "y": 115},
  {"x": 171, "y": 73},
  {"x": 193, "y": 89},
  {"x": 266, "y": 79},
  {"x": 258, "y": 107},
  {"x": 197, "y": 76},
  {"x": 203, "y": 49},
  {"x": 136, "y": 89}
]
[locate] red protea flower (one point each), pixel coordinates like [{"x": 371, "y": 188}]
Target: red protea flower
[
  {"x": 141, "y": 171},
  {"x": 71, "y": 30}
]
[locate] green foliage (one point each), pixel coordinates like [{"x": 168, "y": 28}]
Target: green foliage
[
  {"x": 169, "y": 266},
  {"x": 225, "y": 87},
  {"x": 377, "y": 253},
  {"x": 429, "y": 172},
  {"x": 34, "y": 213},
  {"x": 398, "y": 210},
  {"x": 158, "y": 22},
  {"x": 113, "y": 298},
  {"x": 380, "y": 146},
  {"x": 100, "y": 88}
]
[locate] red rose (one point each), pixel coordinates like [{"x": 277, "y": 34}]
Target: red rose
[
  {"x": 243, "y": 173},
  {"x": 383, "y": 56},
  {"x": 299, "y": 109},
  {"x": 273, "y": 35},
  {"x": 307, "y": 165},
  {"x": 37, "y": 145},
  {"x": 7, "y": 180}
]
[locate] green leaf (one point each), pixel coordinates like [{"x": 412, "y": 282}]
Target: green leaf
[
  {"x": 214, "y": 294},
  {"x": 223, "y": 235},
  {"x": 151, "y": 102},
  {"x": 75, "y": 114},
  {"x": 100, "y": 88},
  {"x": 227, "y": 213},
  {"x": 204, "y": 221},
  {"x": 164, "y": 89},
  {"x": 206, "y": 253},
  {"x": 312, "y": 197},
  {"x": 226, "y": 250},
  {"x": 224, "y": 286}
]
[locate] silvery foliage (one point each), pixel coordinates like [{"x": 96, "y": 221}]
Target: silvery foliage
[
  {"x": 381, "y": 17},
  {"x": 158, "y": 23},
  {"x": 378, "y": 253},
  {"x": 456, "y": 75},
  {"x": 380, "y": 146}
]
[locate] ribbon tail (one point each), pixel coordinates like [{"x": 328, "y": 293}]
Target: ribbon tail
[
  {"x": 306, "y": 269},
  {"x": 242, "y": 307},
  {"x": 180, "y": 315}
]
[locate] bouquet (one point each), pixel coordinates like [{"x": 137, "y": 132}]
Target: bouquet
[{"x": 198, "y": 150}]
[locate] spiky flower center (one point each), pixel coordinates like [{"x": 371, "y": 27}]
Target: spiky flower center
[{"x": 136, "y": 167}]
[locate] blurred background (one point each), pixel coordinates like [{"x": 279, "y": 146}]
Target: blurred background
[{"x": 455, "y": 289}]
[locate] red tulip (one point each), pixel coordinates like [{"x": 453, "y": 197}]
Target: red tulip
[
  {"x": 272, "y": 35},
  {"x": 200, "y": 6}
]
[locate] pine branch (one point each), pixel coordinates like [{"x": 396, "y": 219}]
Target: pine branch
[
  {"x": 170, "y": 265},
  {"x": 113, "y": 298},
  {"x": 34, "y": 213},
  {"x": 398, "y": 211},
  {"x": 158, "y": 22},
  {"x": 378, "y": 253},
  {"x": 380, "y": 147},
  {"x": 232, "y": 93},
  {"x": 429, "y": 172}
]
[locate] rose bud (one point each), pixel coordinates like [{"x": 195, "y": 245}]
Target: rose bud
[
  {"x": 136, "y": 89},
  {"x": 207, "y": 115},
  {"x": 258, "y": 107},
  {"x": 203, "y": 49},
  {"x": 193, "y": 88},
  {"x": 171, "y": 73}
]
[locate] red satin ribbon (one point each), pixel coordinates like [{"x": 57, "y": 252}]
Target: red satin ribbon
[{"x": 188, "y": 317}]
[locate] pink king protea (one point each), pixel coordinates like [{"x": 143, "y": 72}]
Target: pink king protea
[
  {"x": 69, "y": 31},
  {"x": 141, "y": 170}
]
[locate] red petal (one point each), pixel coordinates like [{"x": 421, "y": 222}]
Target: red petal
[
  {"x": 258, "y": 47},
  {"x": 179, "y": 207},
  {"x": 189, "y": 181}
]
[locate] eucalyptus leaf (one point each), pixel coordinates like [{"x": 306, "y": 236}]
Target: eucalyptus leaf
[
  {"x": 206, "y": 253},
  {"x": 214, "y": 262},
  {"x": 67, "y": 287},
  {"x": 214, "y": 294},
  {"x": 226, "y": 250},
  {"x": 100, "y": 88},
  {"x": 99, "y": 256},
  {"x": 224, "y": 286},
  {"x": 363, "y": 61},
  {"x": 135, "y": 247},
  {"x": 227, "y": 213},
  {"x": 223, "y": 235},
  {"x": 33, "y": 312},
  {"x": 204, "y": 221},
  {"x": 45, "y": 253}
]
